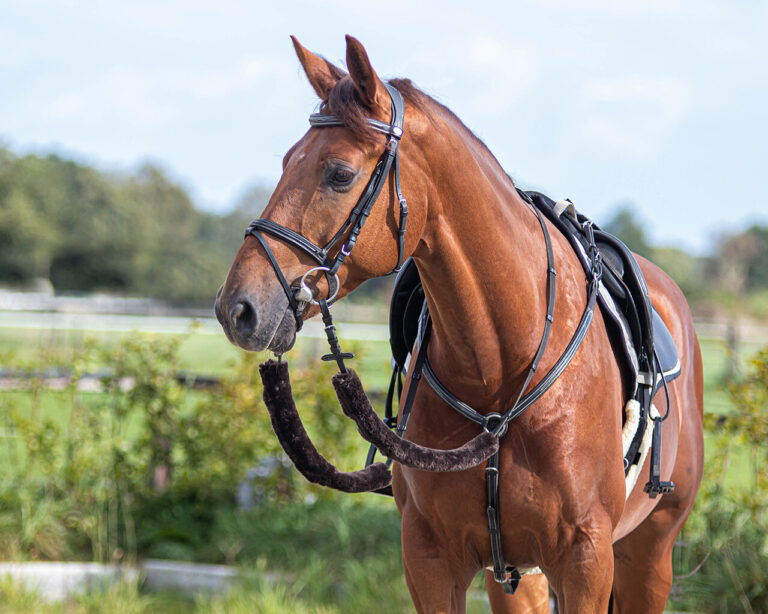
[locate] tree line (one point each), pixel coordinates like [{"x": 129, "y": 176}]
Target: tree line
[
  {"x": 138, "y": 234},
  {"x": 87, "y": 230},
  {"x": 731, "y": 280}
]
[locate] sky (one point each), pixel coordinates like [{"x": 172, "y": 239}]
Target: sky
[{"x": 661, "y": 104}]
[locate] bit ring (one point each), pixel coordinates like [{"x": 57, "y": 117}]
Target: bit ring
[{"x": 304, "y": 293}]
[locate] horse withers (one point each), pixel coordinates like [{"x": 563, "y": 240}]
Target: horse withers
[{"x": 482, "y": 260}]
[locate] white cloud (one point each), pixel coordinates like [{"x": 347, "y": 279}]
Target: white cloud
[
  {"x": 633, "y": 114},
  {"x": 502, "y": 73},
  {"x": 152, "y": 97}
]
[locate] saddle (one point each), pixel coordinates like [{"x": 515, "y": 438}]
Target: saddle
[{"x": 641, "y": 340}]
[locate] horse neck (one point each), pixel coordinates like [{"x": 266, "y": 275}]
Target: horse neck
[{"x": 483, "y": 265}]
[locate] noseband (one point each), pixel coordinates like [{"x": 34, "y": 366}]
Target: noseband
[{"x": 299, "y": 298}]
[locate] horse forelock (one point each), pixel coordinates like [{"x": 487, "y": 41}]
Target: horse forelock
[{"x": 344, "y": 102}]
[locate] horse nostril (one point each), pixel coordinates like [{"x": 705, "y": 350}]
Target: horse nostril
[{"x": 243, "y": 317}]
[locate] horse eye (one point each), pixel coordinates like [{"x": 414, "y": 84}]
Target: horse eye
[{"x": 340, "y": 177}]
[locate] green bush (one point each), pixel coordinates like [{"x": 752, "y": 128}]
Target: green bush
[
  {"x": 148, "y": 466},
  {"x": 728, "y": 529}
]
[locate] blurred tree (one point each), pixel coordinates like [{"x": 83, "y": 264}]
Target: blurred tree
[
  {"x": 252, "y": 202},
  {"x": 757, "y": 269},
  {"x": 28, "y": 235},
  {"x": 627, "y": 226},
  {"x": 731, "y": 263},
  {"x": 686, "y": 270},
  {"x": 87, "y": 231}
]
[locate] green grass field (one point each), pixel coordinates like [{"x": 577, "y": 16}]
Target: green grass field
[
  {"x": 211, "y": 354},
  {"x": 201, "y": 353},
  {"x": 341, "y": 578}
]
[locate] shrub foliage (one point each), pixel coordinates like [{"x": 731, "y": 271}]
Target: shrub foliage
[
  {"x": 723, "y": 556},
  {"x": 150, "y": 468}
]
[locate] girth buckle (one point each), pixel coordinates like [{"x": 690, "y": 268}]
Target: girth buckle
[{"x": 511, "y": 579}]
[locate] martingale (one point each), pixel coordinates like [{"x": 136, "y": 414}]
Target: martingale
[{"x": 355, "y": 404}]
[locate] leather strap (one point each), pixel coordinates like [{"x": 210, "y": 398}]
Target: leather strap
[
  {"x": 415, "y": 372},
  {"x": 353, "y": 225},
  {"x": 281, "y": 278},
  {"x": 289, "y": 236},
  {"x": 417, "y": 366},
  {"x": 524, "y": 401},
  {"x": 507, "y": 575}
]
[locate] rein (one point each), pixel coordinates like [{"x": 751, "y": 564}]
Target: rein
[{"x": 355, "y": 404}]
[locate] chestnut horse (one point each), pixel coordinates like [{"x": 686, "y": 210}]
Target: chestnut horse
[{"x": 479, "y": 250}]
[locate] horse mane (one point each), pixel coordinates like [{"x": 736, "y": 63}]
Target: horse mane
[{"x": 344, "y": 102}]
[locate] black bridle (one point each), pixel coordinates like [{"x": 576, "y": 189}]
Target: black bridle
[{"x": 300, "y": 297}]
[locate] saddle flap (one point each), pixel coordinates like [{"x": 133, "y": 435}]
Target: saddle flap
[
  {"x": 664, "y": 344},
  {"x": 404, "y": 310},
  {"x": 624, "y": 293}
]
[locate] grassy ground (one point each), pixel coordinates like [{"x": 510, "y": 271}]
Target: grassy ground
[
  {"x": 338, "y": 556},
  {"x": 201, "y": 353},
  {"x": 207, "y": 354},
  {"x": 716, "y": 371},
  {"x": 338, "y": 571}
]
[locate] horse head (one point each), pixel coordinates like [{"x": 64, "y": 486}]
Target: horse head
[{"x": 326, "y": 175}]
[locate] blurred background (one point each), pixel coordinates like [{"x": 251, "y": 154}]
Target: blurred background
[{"x": 137, "y": 140}]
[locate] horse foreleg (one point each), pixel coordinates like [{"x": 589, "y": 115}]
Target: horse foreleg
[
  {"x": 531, "y": 597},
  {"x": 582, "y": 575},
  {"x": 437, "y": 584}
]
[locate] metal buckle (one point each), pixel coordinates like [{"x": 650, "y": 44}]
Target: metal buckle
[
  {"x": 305, "y": 295},
  {"x": 491, "y": 421}
]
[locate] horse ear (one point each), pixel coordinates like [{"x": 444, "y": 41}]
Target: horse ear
[
  {"x": 321, "y": 73},
  {"x": 370, "y": 88}
]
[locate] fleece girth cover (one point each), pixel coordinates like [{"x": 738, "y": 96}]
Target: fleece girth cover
[
  {"x": 290, "y": 431},
  {"x": 356, "y": 406}
]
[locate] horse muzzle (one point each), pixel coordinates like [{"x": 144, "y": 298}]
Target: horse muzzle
[{"x": 256, "y": 326}]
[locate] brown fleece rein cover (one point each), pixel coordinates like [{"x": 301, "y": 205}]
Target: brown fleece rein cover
[{"x": 294, "y": 439}]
